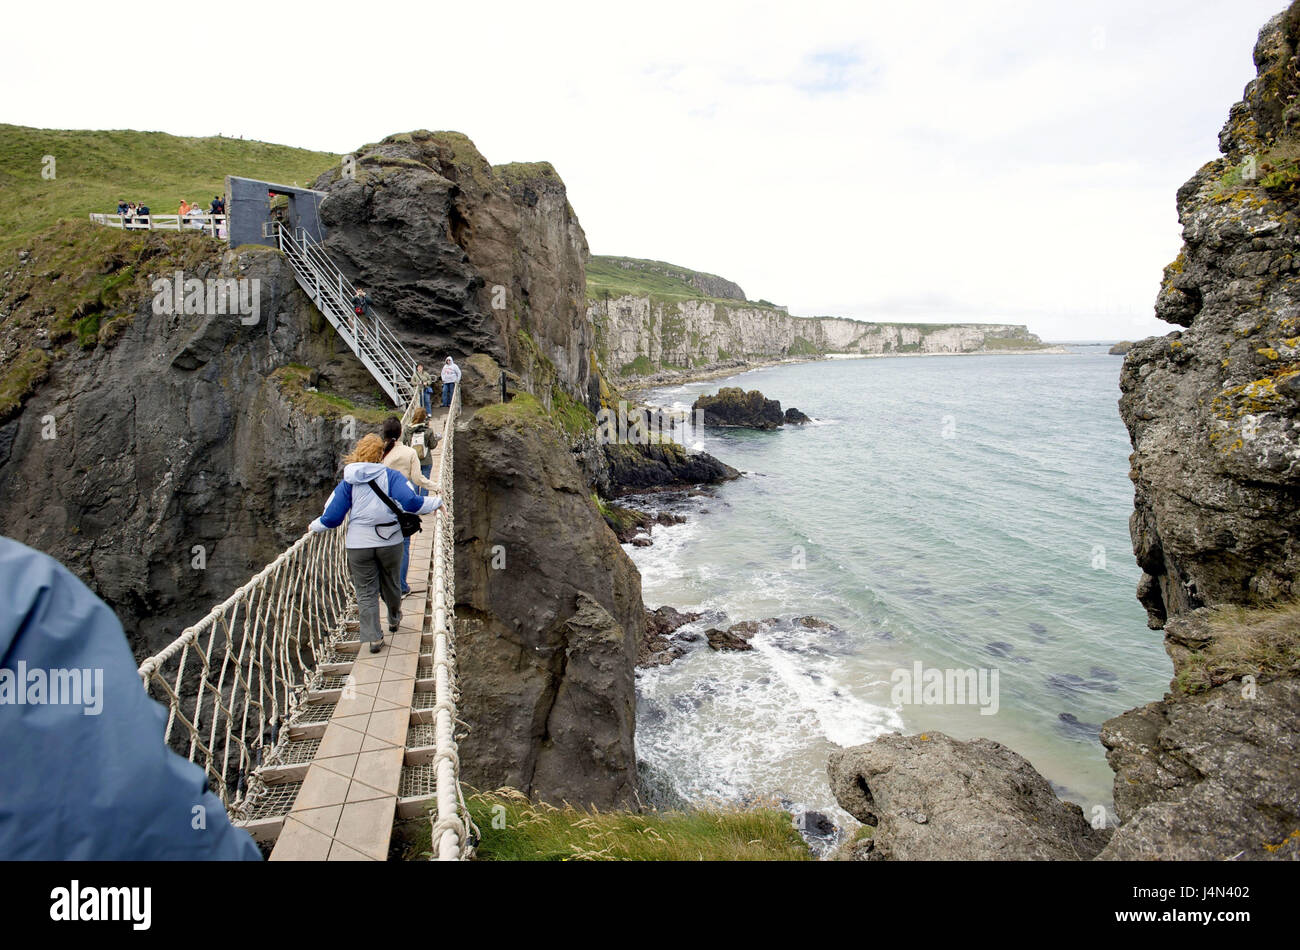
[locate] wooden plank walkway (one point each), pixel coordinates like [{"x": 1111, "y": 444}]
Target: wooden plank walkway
[{"x": 348, "y": 800}]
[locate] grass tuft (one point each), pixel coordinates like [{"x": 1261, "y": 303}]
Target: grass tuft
[{"x": 516, "y": 829}]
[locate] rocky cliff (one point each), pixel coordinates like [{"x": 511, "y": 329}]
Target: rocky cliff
[
  {"x": 163, "y": 457},
  {"x": 638, "y": 335},
  {"x": 463, "y": 256},
  {"x": 1213, "y": 408},
  {"x": 549, "y": 617}
]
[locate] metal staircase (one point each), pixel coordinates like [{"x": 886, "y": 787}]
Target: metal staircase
[{"x": 378, "y": 348}]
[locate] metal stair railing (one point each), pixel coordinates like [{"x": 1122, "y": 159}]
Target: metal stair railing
[{"x": 374, "y": 343}]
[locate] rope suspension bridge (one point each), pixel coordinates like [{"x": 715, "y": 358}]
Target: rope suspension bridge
[{"x": 314, "y": 746}]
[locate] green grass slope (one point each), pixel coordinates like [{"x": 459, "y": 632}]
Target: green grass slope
[
  {"x": 93, "y": 169},
  {"x": 655, "y": 279}
]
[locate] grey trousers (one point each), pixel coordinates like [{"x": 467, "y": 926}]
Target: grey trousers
[{"x": 374, "y": 573}]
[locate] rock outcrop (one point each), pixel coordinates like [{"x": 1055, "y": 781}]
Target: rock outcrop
[
  {"x": 658, "y": 466},
  {"x": 1212, "y": 771},
  {"x": 549, "y": 618},
  {"x": 732, "y": 406},
  {"x": 934, "y": 798},
  {"x": 793, "y": 417},
  {"x": 463, "y": 256},
  {"x": 168, "y": 457},
  {"x": 662, "y": 644},
  {"x": 1120, "y": 348},
  {"x": 1213, "y": 409}
]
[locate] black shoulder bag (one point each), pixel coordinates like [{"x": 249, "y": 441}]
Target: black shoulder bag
[{"x": 409, "y": 521}]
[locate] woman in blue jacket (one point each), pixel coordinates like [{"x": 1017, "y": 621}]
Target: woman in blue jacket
[{"x": 374, "y": 540}]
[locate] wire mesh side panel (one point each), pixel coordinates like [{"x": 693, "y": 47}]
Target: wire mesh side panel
[{"x": 231, "y": 681}]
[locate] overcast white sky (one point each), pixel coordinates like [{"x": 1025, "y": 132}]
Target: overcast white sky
[{"x": 987, "y": 160}]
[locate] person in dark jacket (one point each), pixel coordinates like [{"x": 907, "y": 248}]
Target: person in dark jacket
[
  {"x": 374, "y": 542},
  {"x": 360, "y": 313},
  {"x": 90, "y": 780}
]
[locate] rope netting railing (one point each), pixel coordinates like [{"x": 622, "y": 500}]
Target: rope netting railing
[
  {"x": 232, "y": 681},
  {"x": 235, "y": 680}
]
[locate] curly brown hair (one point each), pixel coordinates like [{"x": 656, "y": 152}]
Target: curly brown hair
[{"x": 369, "y": 448}]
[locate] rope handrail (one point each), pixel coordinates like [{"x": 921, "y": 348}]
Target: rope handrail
[
  {"x": 234, "y": 679},
  {"x": 453, "y": 833}
]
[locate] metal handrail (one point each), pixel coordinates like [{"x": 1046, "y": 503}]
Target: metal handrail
[
  {"x": 346, "y": 290},
  {"x": 326, "y": 285},
  {"x": 379, "y": 349}
]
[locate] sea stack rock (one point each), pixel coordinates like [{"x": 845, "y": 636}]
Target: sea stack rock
[
  {"x": 793, "y": 417},
  {"x": 732, "y": 406}
]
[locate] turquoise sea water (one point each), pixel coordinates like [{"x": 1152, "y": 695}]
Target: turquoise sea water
[{"x": 956, "y": 512}]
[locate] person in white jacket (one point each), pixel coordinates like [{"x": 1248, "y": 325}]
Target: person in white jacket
[
  {"x": 450, "y": 377},
  {"x": 374, "y": 541}
]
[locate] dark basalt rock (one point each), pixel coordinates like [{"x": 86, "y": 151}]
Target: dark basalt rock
[
  {"x": 547, "y": 645},
  {"x": 728, "y": 640},
  {"x": 733, "y": 406},
  {"x": 432, "y": 230},
  {"x": 176, "y": 437},
  {"x": 794, "y": 417},
  {"x": 661, "y": 465},
  {"x": 1213, "y": 409},
  {"x": 660, "y": 645},
  {"x": 1213, "y": 412}
]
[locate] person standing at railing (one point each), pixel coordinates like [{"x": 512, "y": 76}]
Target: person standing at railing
[
  {"x": 374, "y": 540},
  {"x": 86, "y": 775},
  {"x": 450, "y": 377},
  {"x": 422, "y": 383},
  {"x": 400, "y": 457}
]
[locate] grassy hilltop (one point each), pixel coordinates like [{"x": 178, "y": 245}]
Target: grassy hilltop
[{"x": 93, "y": 169}]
